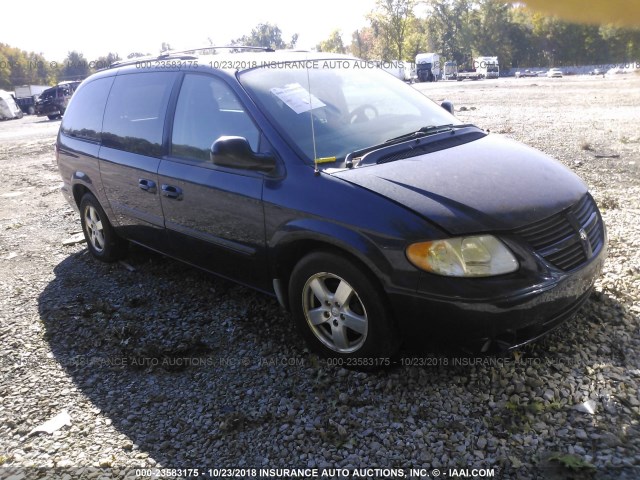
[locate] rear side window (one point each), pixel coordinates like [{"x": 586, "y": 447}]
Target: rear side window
[
  {"x": 83, "y": 118},
  {"x": 134, "y": 118}
]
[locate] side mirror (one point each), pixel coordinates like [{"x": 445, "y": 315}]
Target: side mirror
[
  {"x": 235, "y": 152},
  {"x": 448, "y": 106}
]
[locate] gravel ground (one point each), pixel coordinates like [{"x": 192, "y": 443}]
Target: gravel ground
[{"x": 158, "y": 365}]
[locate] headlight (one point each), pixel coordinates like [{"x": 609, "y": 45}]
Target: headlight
[{"x": 477, "y": 256}]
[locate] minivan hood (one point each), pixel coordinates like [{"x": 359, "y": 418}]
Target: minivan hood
[{"x": 490, "y": 184}]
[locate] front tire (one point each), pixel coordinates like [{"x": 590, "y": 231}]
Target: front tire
[
  {"x": 102, "y": 240},
  {"x": 340, "y": 311}
]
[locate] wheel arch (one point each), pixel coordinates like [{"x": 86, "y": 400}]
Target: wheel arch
[
  {"x": 82, "y": 183},
  {"x": 289, "y": 247},
  {"x": 79, "y": 190}
]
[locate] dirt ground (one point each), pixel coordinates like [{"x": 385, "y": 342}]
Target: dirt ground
[{"x": 56, "y": 302}]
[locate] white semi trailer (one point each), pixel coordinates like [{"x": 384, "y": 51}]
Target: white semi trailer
[{"x": 428, "y": 67}]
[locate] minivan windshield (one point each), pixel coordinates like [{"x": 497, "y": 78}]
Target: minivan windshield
[{"x": 329, "y": 108}]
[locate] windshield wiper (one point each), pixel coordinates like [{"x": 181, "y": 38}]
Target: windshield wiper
[
  {"x": 430, "y": 130},
  {"x": 423, "y": 132}
]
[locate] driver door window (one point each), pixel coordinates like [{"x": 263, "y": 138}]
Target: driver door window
[{"x": 207, "y": 109}]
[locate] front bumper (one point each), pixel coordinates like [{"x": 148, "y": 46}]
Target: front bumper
[{"x": 509, "y": 318}]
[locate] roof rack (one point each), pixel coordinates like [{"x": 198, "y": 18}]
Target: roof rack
[
  {"x": 185, "y": 54},
  {"x": 215, "y": 47}
]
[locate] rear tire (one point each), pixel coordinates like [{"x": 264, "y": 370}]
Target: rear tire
[
  {"x": 102, "y": 240},
  {"x": 341, "y": 312}
]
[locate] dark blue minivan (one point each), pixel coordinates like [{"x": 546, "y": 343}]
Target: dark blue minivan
[{"x": 369, "y": 211}]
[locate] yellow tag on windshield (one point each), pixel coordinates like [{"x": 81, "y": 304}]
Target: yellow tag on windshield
[{"x": 325, "y": 160}]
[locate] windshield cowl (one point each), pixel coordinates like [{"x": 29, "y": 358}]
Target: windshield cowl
[{"x": 418, "y": 143}]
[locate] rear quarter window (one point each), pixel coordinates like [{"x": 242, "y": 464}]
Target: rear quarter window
[
  {"x": 135, "y": 113},
  {"x": 83, "y": 118}
]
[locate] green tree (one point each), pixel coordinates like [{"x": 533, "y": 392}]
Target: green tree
[
  {"x": 266, "y": 35},
  {"x": 18, "y": 67},
  {"x": 491, "y": 27},
  {"x": 450, "y": 28},
  {"x": 363, "y": 43},
  {"x": 622, "y": 45},
  {"x": 105, "y": 61},
  {"x": 390, "y": 22},
  {"x": 40, "y": 70},
  {"x": 417, "y": 39},
  {"x": 75, "y": 67},
  {"x": 332, "y": 44},
  {"x": 526, "y": 50},
  {"x": 5, "y": 72}
]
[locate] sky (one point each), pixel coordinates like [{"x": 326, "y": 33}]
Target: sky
[{"x": 124, "y": 26}]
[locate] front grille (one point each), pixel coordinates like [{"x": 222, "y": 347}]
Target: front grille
[{"x": 569, "y": 238}]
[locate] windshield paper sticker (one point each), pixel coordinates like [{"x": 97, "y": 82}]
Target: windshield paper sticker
[{"x": 297, "y": 98}]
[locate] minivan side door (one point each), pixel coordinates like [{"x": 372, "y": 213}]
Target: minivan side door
[
  {"x": 213, "y": 215},
  {"x": 132, "y": 145}
]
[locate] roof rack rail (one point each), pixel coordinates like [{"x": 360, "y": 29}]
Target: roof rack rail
[
  {"x": 216, "y": 47},
  {"x": 185, "y": 53}
]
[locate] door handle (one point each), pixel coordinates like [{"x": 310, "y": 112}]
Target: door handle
[
  {"x": 171, "y": 191},
  {"x": 147, "y": 185}
]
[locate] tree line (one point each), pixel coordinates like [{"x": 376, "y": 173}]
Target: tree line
[
  {"x": 462, "y": 29},
  {"x": 398, "y": 30},
  {"x": 18, "y": 67}
]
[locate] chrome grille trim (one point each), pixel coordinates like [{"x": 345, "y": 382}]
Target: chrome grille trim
[{"x": 567, "y": 239}]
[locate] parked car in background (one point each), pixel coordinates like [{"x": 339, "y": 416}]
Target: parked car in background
[
  {"x": 370, "y": 212},
  {"x": 526, "y": 73},
  {"x": 616, "y": 71},
  {"x": 53, "y": 102},
  {"x": 554, "y": 73}
]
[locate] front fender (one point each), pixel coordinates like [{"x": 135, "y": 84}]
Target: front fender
[{"x": 318, "y": 233}]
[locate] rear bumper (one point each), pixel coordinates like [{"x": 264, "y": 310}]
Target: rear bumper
[{"x": 509, "y": 318}]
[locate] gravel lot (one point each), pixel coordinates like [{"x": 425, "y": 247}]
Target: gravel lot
[{"x": 160, "y": 365}]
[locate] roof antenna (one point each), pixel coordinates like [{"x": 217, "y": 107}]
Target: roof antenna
[{"x": 316, "y": 171}]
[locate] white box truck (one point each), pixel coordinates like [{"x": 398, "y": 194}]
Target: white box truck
[
  {"x": 27, "y": 96},
  {"x": 488, "y": 67},
  {"x": 450, "y": 71}
]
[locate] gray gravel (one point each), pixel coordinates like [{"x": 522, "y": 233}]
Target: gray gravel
[{"x": 160, "y": 365}]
